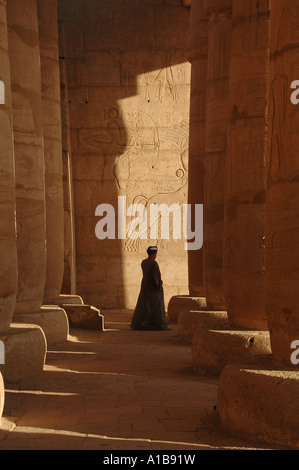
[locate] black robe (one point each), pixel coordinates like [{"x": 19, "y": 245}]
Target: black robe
[{"x": 149, "y": 313}]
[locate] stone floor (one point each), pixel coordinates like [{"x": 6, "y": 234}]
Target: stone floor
[{"x": 116, "y": 390}]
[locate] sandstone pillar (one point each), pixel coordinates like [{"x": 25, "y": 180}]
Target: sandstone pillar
[
  {"x": 2, "y": 396},
  {"x": 30, "y": 171},
  {"x": 216, "y": 125},
  {"x": 217, "y": 113},
  {"x": 69, "y": 284},
  {"x": 273, "y": 380},
  {"x": 24, "y": 347},
  {"x": 8, "y": 270},
  {"x": 50, "y": 80},
  {"x": 244, "y": 196},
  {"x": 69, "y": 278},
  {"x": 197, "y": 47},
  {"x": 243, "y": 252},
  {"x": 54, "y": 165},
  {"x": 282, "y": 206},
  {"x": 244, "y": 226},
  {"x": 214, "y": 31}
]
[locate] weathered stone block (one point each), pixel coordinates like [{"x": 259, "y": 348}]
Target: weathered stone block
[
  {"x": 84, "y": 316},
  {"x": 183, "y": 303},
  {"x": 259, "y": 401},
  {"x": 25, "y": 352}
]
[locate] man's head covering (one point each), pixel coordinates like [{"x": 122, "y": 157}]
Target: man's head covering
[{"x": 152, "y": 249}]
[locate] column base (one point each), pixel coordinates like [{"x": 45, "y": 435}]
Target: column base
[
  {"x": 79, "y": 314},
  {"x": 215, "y": 344},
  {"x": 188, "y": 321},
  {"x": 84, "y": 317},
  {"x": 52, "y": 319},
  {"x": 182, "y": 303},
  {"x": 68, "y": 299},
  {"x": 260, "y": 402},
  {"x": 2, "y": 395},
  {"x": 25, "y": 349}
]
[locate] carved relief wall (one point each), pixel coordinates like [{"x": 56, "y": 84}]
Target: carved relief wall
[{"x": 128, "y": 81}]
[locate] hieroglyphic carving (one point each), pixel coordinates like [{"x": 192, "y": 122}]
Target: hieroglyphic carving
[{"x": 157, "y": 190}]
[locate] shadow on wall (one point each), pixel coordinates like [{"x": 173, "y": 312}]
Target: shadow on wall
[{"x": 128, "y": 83}]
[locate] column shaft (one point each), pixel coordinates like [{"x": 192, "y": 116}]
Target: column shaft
[
  {"x": 51, "y": 113},
  {"x": 245, "y": 168},
  {"x": 282, "y": 202},
  {"x": 8, "y": 240},
  {"x": 28, "y": 115},
  {"x": 198, "y": 57},
  {"x": 29, "y": 156},
  {"x": 217, "y": 113}
]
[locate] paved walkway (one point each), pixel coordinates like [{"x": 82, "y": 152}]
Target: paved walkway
[{"x": 117, "y": 389}]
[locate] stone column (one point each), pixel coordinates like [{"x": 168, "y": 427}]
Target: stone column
[
  {"x": 282, "y": 204},
  {"x": 8, "y": 270},
  {"x": 197, "y": 44},
  {"x": 217, "y": 113},
  {"x": 2, "y": 395},
  {"x": 244, "y": 226},
  {"x": 267, "y": 407},
  {"x": 30, "y": 171},
  {"x": 22, "y": 348},
  {"x": 216, "y": 125},
  {"x": 69, "y": 284},
  {"x": 64, "y": 291},
  {"x": 69, "y": 279},
  {"x": 197, "y": 47},
  {"x": 50, "y": 80}
]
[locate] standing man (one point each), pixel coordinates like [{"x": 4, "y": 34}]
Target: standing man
[{"x": 149, "y": 313}]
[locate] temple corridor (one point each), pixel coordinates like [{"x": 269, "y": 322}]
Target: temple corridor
[
  {"x": 117, "y": 390},
  {"x": 111, "y": 110}
]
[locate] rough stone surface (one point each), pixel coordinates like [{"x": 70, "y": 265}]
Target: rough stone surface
[
  {"x": 84, "y": 316},
  {"x": 244, "y": 222},
  {"x": 25, "y": 352},
  {"x": 182, "y": 303},
  {"x": 51, "y": 121},
  {"x": 24, "y": 57},
  {"x": 260, "y": 401},
  {"x": 197, "y": 50},
  {"x": 282, "y": 241},
  {"x": 69, "y": 275},
  {"x": 187, "y": 324},
  {"x": 217, "y": 113},
  {"x": 8, "y": 241},
  {"x": 69, "y": 299},
  {"x": 52, "y": 320},
  {"x": 214, "y": 349},
  {"x": 2, "y": 395}
]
